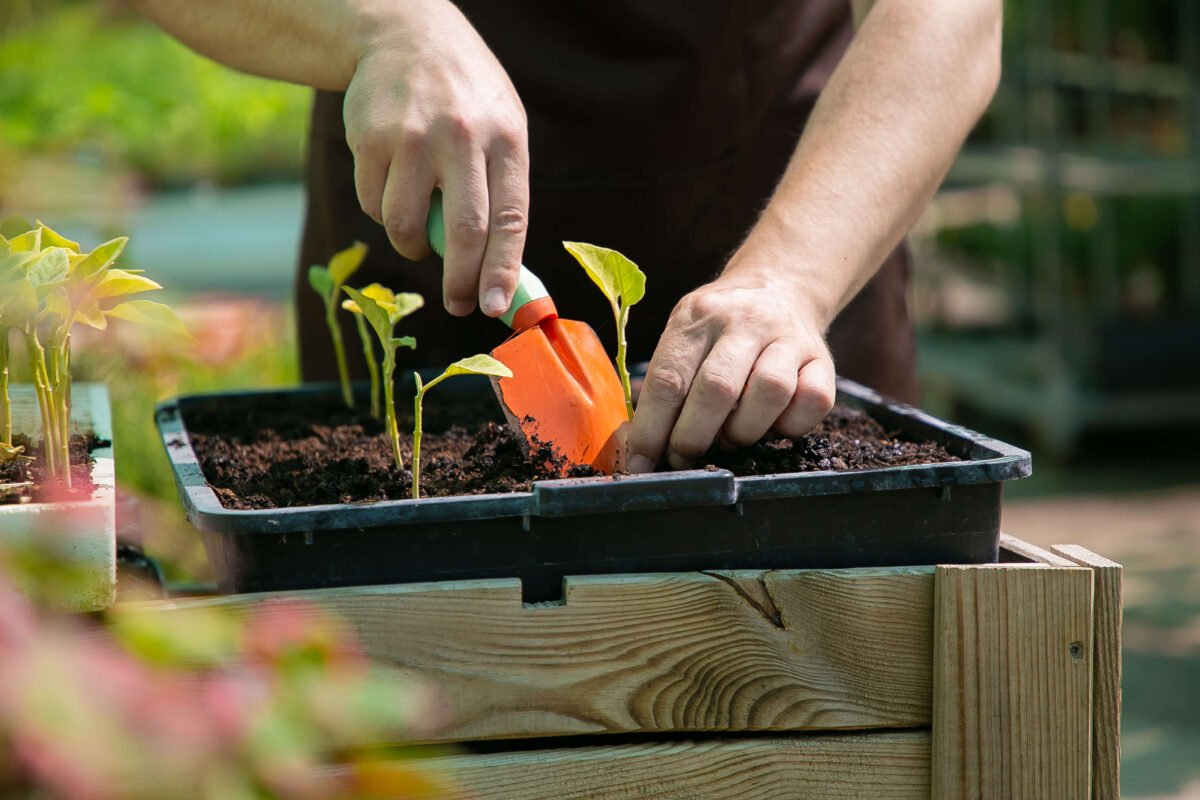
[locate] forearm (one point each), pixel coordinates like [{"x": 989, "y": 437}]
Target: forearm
[
  {"x": 311, "y": 42},
  {"x": 886, "y": 128}
]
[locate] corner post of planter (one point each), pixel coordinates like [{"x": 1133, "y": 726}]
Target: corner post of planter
[
  {"x": 1012, "y": 681},
  {"x": 1106, "y": 680}
]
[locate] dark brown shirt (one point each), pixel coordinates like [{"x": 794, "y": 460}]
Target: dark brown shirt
[{"x": 657, "y": 128}]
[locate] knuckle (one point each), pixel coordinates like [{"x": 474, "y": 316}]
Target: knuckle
[
  {"x": 510, "y": 136},
  {"x": 467, "y": 227},
  {"x": 665, "y": 384},
  {"x": 457, "y": 126},
  {"x": 403, "y": 231},
  {"x": 719, "y": 387},
  {"x": 410, "y": 138},
  {"x": 511, "y": 221},
  {"x": 818, "y": 399},
  {"x": 775, "y": 388}
]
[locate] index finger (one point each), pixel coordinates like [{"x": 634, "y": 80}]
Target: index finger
[{"x": 666, "y": 385}]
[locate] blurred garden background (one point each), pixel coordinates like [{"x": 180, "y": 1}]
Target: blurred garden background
[{"x": 1057, "y": 288}]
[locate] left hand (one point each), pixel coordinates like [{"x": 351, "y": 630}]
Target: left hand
[{"x": 740, "y": 356}]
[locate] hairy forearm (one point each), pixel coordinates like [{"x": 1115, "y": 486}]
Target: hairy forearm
[
  {"x": 312, "y": 42},
  {"x": 886, "y": 128}
]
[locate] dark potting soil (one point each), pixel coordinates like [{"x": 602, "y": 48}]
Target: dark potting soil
[
  {"x": 284, "y": 452},
  {"x": 32, "y": 471}
]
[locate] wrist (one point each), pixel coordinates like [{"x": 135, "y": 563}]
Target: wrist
[{"x": 779, "y": 264}]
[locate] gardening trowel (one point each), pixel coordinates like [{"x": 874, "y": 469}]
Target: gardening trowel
[{"x": 564, "y": 390}]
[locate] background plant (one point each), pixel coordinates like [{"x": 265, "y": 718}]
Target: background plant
[
  {"x": 150, "y": 704},
  {"x": 623, "y": 284},
  {"x": 474, "y": 365},
  {"x": 327, "y": 283},
  {"x": 50, "y": 285},
  {"x": 383, "y": 309}
]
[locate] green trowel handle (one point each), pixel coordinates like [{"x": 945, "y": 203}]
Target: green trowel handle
[{"x": 529, "y": 286}]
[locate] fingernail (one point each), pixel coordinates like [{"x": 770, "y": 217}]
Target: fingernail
[
  {"x": 639, "y": 463},
  {"x": 495, "y": 302},
  {"x": 460, "y": 308}
]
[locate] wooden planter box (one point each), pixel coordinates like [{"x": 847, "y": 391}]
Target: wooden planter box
[
  {"x": 79, "y": 535},
  {"x": 952, "y": 682}
]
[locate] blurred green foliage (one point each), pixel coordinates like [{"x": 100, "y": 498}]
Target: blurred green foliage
[{"x": 83, "y": 81}]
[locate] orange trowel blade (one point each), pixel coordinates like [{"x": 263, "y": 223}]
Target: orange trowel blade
[{"x": 565, "y": 392}]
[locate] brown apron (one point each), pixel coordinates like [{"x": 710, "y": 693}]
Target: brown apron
[{"x": 657, "y": 128}]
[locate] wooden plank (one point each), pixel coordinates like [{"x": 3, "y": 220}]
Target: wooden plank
[
  {"x": 1106, "y": 670},
  {"x": 886, "y": 765},
  {"x": 745, "y": 651},
  {"x": 1012, "y": 682},
  {"x": 1015, "y": 551}
]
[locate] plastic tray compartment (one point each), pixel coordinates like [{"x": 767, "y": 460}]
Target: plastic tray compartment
[{"x": 666, "y": 522}]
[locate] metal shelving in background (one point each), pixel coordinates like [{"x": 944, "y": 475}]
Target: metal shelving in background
[{"x": 1059, "y": 270}]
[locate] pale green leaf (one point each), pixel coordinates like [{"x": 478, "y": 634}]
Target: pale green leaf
[
  {"x": 481, "y": 364},
  {"x": 14, "y": 225},
  {"x": 89, "y": 313},
  {"x": 28, "y": 242},
  {"x": 403, "y": 304},
  {"x": 618, "y": 277},
  {"x": 346, "y": 263},
  {"x": 50, "y": 268},
  {"x": 319, "y": 280},
  {"x": 149, "y": 313},
  {"x": 375, "y": 313},
  {"x": 51, "y": 238},
  {"x": 18, "y": 303},
  {"x": 120, "y": 283},
  {"x": 99, "y": 259},
  {"x": 405, "y": 341},
  {"x": 15, "y": 266}
]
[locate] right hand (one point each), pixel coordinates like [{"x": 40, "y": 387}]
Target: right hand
[{"x": 430, "y": 106}]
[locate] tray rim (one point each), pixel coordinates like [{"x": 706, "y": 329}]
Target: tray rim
[{"x": 601, "y": 494}]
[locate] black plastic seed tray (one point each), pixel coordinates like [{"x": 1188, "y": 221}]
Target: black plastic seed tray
[{"x": 666, "y": 522}]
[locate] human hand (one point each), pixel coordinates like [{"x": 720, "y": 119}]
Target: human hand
[
  {"x": 429, "y": 105},
  {"x": 740, "y": 356}
]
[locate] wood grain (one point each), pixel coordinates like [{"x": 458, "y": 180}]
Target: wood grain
[
  {"x": 883, "y": 765},
  {"x": 738, "y": 651},
  {"x": 1012, "y": 677},
  {"x": 1106, "y": 672}
]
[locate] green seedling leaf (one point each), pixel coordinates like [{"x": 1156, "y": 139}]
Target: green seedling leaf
[
  {"x": 51, "y": 238},
  {"x": 28, "y": 242},
  {"x": 624, "y": 285},
  {"x": 50, "y": 269},
  {"x": 149, "y": 313},
  {"x": 14, "y": 225},
  {"x": 319, "y": 280},
  {"x": 481, "y": 364},
  {"x": 10, "y": 453},
  {"x": 18, "y": 303},
  {"x": 618, "y": 277},
  {"x": 405, "y": 341},
  {"x": 99, "y": 259},
  {"x": 346, "y": 263},
  {"x": 376, "y": 314},
  {"x": 121, "y": 283}
]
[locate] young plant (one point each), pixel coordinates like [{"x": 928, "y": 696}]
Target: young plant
[
  {"x": 623, "y": 284},
  {"x": 474, "y": 365},
  {"x": 382, "y": 309},
  {"x": 327, "y": 282},
  {"x": 49, "y": 286}
]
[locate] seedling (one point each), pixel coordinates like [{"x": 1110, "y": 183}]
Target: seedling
[
  {"x": 623, "y": 284},
  {"x": 382, "y": 309},
  {"x": 474, "y": 365},
  {"x": 47, "y": 285},
  {"x": 327, "y": 282}
]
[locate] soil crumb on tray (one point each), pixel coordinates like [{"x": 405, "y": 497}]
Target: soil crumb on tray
[
  {"x": 846, "y": 439},
  {"x": 272, "y": 452},
  {"x": 24, "y": 480}
]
